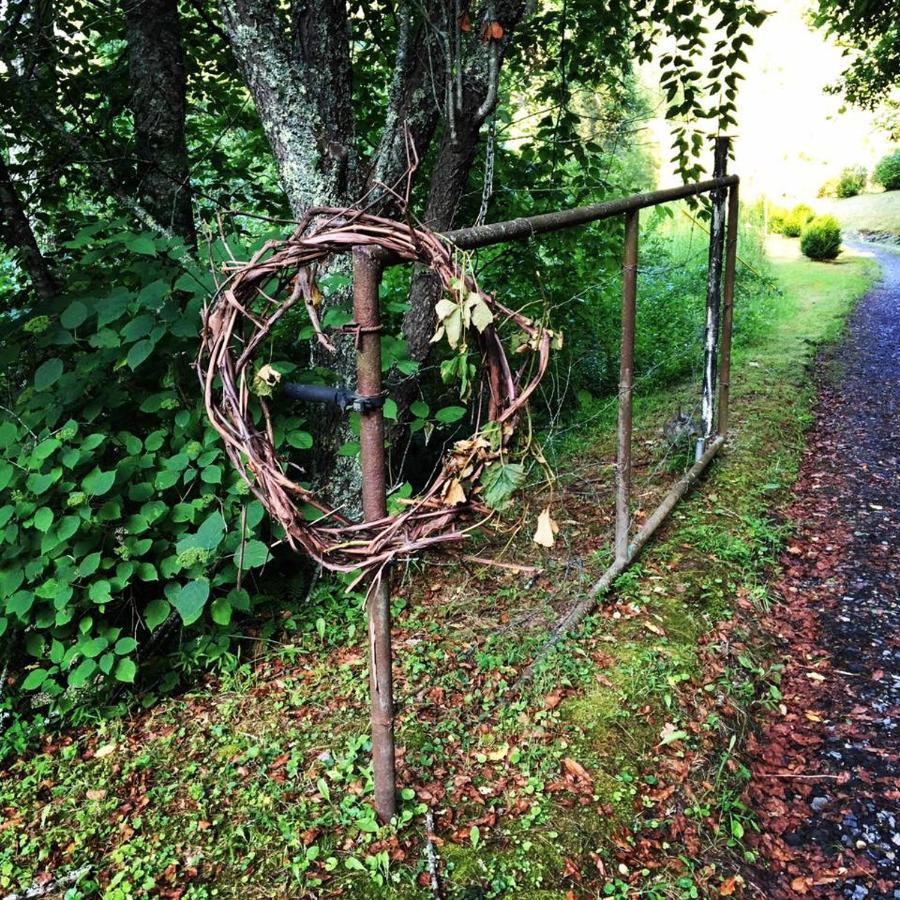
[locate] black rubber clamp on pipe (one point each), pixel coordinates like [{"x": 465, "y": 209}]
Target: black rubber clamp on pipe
[{"x": 341, "y": 397}]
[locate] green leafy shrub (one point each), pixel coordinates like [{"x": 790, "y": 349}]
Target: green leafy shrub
[
  {"x": 821, "y": 239},
  {"x": 777, "y": 216},
  {"x": 887, "y": 172},
  {"x": 119, "y": 506},
  {"x": 850, "y": 182},
  {"x": 796, "y": 220},
  {"x": 828, "y": 188}
]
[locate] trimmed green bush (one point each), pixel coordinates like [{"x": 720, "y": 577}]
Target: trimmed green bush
[
  {"x": 777, "y": 217},
  {"x": 851, "y": 181},
  {"x": 828, "y": 189},
  {"x": 796, "y": 220},
  {"x": 821, "y": 239},
  {"x": 887, "y": 172}
]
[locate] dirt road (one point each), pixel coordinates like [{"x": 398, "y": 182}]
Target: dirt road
[{"x": 826, "y": 779}]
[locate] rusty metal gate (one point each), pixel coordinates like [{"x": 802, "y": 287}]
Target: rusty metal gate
[{"x": 368, "y": 268}]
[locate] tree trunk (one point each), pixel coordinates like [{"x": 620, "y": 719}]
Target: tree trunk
[
  {"x": 289, "y": 112},
  {"x": 156, "y": 79},
  {"x": 19, "y": 237},
  {"x": 322, "y": 45},
  {"x": 450, "y": 175},
  {"x": 448, "y": 182}
]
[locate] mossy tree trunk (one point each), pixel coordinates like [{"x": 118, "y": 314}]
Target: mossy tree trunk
[{"x": 300, "y": 78}]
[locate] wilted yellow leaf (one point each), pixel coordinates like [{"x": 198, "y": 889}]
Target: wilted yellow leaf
[
  {"x": 454, "y": 494},
  {"x": 265, "y": 381},
  {"x": 546, "y": 529}
]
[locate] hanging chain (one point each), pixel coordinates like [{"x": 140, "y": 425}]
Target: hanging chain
[{"x": 487, "y": 190}]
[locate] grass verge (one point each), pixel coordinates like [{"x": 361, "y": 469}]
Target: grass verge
[
  {"x": 257, "y": 784},
  {"x": 866, "y": 214}
]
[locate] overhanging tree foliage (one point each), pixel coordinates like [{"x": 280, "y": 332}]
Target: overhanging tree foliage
[
  {"x": 869, "y": 31},
  {"x": 126, "y": 129}
]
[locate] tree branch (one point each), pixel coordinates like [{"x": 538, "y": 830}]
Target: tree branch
[{"x": 19, "y": 237}]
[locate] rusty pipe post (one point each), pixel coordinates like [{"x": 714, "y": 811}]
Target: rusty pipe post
[
  {"x": 713, "y": 300},
  {"x": 626, "y": 384},
  {"x": 731, "y": 241},
  {"x": 368, "y": 265}
]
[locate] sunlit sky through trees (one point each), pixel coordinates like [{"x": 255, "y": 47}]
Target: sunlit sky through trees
[{"x": 792, "y": 135}]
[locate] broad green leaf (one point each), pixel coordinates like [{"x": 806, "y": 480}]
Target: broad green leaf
[
  {"x": 110, "y": 308},
  {"x": 125, "y": 645},
  {"x": 97, "y": 483},
  {"x": 94, "y": 647},
  {"x": 208, "y": 537},
  {"x": 147, "y": 572},
  {"x": 99, "y": 591},
  {"x": 89, "y": 565},
  {"x": 156, "y": 613},
  {"x": 302, "y": 440},
  {"x": 11, "y": 580},
  {"x": 141, "y": 243},
  {"x": 34, "y": 679},
  {"x": 211, "y": 475},
  {"x": 499, "y": 481},
  {"x": 255, "y": 553},
  {"x": 36, "y": 483},
  {"x": 105, "y": 339},
  {"x": 238, "y": 598},
  {"x": 45, "y": 448},
  {"x": 138, "y": 353},
  {"x": 8, "y": 434},
  {"x": 20, "y": 603},
  {"x": 450, "y": 414},
  {"x": 221, "y": 611},
  {"x": 138, "y": 327},
  {"x": 73, "y": 315},
  {"x": 126, "y": 670},
  {"x": 190, "y": 599},
  {"x": 79, "y": 676},
  {"x": 43, "y": 519},
  {"x": 48, "y": 374},
  {"x": 68, "y": 525},
  {"x": 152, "y": 295}
]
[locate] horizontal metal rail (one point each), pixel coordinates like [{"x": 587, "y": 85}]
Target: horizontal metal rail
[
  {"x": 516, "y": 229},
  {"x": 368, "y": 269}
]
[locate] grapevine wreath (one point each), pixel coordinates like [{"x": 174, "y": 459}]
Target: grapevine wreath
[{"x": 243, "y": 313}]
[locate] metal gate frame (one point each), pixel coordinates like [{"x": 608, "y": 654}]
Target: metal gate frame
[{"x": 368, "y": 267}]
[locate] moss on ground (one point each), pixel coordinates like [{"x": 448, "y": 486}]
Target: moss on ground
[{"x": 258, "y": 785}]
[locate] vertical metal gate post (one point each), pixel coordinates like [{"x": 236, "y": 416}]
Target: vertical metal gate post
[
  {"x": 626, "y": 384},
  {"x": 368, "y": 265},
  {"x": 713, "y": 298},
  {"x": 728, "y": 309}
]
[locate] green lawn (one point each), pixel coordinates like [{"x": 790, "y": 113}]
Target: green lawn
[
  {"x": 866, "y": 213},
  {"x": 257, "y": 783}
]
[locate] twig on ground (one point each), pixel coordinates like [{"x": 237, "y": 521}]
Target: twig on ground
[
  {"x": 432, "y": 856},
  {"x": 50, "y": 887}
]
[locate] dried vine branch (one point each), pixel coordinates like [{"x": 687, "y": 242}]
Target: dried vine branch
[{"x": 243, "y": 314}]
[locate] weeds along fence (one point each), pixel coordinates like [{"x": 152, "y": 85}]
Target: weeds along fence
[{"x": 369, "y": 265}]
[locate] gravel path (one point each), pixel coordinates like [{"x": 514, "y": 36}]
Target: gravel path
[{"x": 827, "y": 768}]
